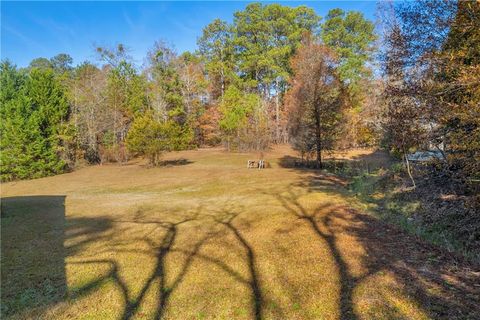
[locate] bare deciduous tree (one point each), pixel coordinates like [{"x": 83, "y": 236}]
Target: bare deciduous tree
[{"x": 314, "y": 100}]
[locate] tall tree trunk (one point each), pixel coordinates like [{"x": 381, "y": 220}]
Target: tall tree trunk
[
  {"x": 318, "y": 128},
  {"x": 408, "y": 169},
  {"x": 319, "y": 150},
  {"x": 277, "y": 112},
  {"x": 222, "y": 80},
  {"x": 318, "y": 136}
]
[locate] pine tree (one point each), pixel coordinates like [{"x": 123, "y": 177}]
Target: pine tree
[{"x": 35, "y": 111}]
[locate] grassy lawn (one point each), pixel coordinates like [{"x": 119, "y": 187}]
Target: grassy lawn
[{"x": 206, "y": 238}]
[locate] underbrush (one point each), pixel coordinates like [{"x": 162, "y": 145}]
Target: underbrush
[{"x": 435, "y": 210}]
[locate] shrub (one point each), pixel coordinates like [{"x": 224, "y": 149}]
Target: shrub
[{"x": 150, "y": 138}]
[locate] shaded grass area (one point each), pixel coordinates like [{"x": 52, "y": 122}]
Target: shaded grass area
[
  {"x": 432, "y": 211},
  {"x": 35, "y": 254},
  {"x": 417, "y": 211},
  {"x": 213, "y": 240}
]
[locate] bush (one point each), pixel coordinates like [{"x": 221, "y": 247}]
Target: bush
[{"x": 150, "y": 138}]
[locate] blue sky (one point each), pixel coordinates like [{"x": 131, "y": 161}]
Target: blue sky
[{"x": 44, "y": 29}]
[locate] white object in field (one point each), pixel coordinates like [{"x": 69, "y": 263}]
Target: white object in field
[
  {"x": 261, "y": 164},
  {"x": 423, "y": 156}
]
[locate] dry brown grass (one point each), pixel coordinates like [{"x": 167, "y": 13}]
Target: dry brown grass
[{"x": 208, "y": 239}]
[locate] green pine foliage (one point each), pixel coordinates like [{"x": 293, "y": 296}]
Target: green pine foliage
[
  {"x": 167, "y": 82},
  {"x": 351, "y": 36},
  {"x": 34, "y": 109}
]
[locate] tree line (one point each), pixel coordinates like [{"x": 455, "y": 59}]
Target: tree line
[
  {"x": 431, "y": 96},
  {"x": 231, "y": 91},
  {"x": 276, "y": 74}
]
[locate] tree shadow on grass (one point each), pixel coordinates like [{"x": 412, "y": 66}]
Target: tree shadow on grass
[
  {"x": 328, "y": 236},
  {"x": 226, "y": 219},
  {"x": 175, "y": 162},
  {"x": 378, "y": 159},
  {"x": 168, "y": 233},
  {"x": 33, "y": 226},
  {"x": 339, "y": 163},
  {"x": 443, "y": 286},
  {"x": 167, "y": 163},
  {"x": 37, "y": 239}
]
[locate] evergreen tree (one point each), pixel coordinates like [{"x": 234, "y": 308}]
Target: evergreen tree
[
  {"x": 35, "y": 111},
  {"x": 351, "y": 36},
  {"x": 62, "y": 63},
  {"x": 163, "y": 70},
  {"x": 216, "y": 47}
]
